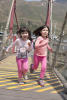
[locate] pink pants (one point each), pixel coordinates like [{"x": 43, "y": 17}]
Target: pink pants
[
  {"x": 22, "y": 66},
  {"x": 43, "y": 60}
]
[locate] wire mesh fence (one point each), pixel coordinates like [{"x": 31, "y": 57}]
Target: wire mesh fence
[{"x": 61, "y": 58}]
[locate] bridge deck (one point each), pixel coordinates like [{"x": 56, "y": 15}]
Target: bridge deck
[{"x": 9, "y": 80}]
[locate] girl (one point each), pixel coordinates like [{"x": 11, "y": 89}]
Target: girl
[
  {"x": 40, "y": 51},
  {"x": 23, "y": 46}
]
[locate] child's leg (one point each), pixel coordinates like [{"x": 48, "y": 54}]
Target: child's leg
[
  {"x": 31, "y": 59},
  {"x": 19, "y": 64},
  {"x": 36, "y": 62},
  {"x": 25, "y": 66},
  {"x": 43, "y": 67}
]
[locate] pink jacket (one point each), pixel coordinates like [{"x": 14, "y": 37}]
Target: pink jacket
[{"x": 41, "y": 46}]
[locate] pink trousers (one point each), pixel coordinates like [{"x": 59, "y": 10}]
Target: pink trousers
[
  {"x": 43, "y": 60},
  {"x": 22, "y": 66}
]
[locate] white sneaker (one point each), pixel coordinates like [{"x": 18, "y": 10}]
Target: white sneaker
[
  {"x": 25, "y": 77},
  {"x": 21, "y": 83},
  {"x": 41, "y": 82}
]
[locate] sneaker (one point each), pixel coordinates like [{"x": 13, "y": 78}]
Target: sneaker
[
  {"x": 41, "y": 82},
  {"x": 19, "y": 80},
  {"x": 25, "y": 77},
  {"x": 31, "y": 70},
  {"x": 21, "y": 83}
]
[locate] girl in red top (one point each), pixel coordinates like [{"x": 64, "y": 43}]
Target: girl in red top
[{"x": 40, "y": 51}]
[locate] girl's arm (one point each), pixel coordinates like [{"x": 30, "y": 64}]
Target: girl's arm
[
  {"x": 49, "y": 48},
  {"x": 10, "y": 46},
  {"x": 29, "y": 46},
  {"x": 40, "y": 42}
]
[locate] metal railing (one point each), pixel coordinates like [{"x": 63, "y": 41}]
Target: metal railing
[
  {"x": 60, "y": 63},
  {"x": 3, "y": 49}
]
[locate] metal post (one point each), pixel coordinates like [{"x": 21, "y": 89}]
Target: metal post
[
  {"x": 5, "y": 33},
  {"x": 50, "y": 54},
  {"x": 6, "y": 28},
  {"x": 51, "y": 20}
]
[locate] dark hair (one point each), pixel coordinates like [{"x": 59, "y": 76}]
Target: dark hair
[
  {"x": 18, "y": 31},
  {"x": 37, "y": 32},
  {"x": 25, "y": 29}
]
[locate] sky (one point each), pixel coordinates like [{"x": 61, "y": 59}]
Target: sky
[
  {"x": 36, "y": 0},
  {"x": 32, "y": 0}
]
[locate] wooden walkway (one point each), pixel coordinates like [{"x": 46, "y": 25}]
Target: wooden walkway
[{"x": 9, "y": 78}]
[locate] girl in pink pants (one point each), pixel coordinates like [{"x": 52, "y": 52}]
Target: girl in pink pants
[
  {"x": 23, "y": 46},
  {"x": 43, "y": 60},
  {"x": 40, "y": 51},
  {"x": 22, "y": 67}
]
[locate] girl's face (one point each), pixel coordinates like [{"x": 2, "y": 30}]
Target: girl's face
[
  {"x": 44, "y": 32},
  {"x": 24, "y": 35}
]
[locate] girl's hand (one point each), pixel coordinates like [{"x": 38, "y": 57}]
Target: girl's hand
[
  {"x": 51, "y": 50},
  {"x": 6, "y": 51},
  {"x": 29, "y": 43}
]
